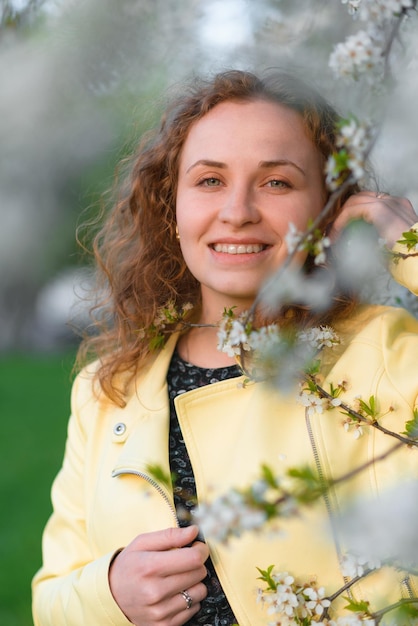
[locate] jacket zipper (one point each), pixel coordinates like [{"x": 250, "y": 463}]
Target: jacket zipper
[
  {"x": 406, "y": 583},
  {"x": 327, "y": 500},
  {"x": 154, "y": 484}
]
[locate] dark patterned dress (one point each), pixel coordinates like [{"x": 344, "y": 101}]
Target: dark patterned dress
[{"x": 182, "y": 377}]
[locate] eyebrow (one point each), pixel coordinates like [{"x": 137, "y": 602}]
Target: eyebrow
[
  {"x": 208, "y": 162},
  {"x": 279, "y": 162},
  {"x": 262, "y": 164}
]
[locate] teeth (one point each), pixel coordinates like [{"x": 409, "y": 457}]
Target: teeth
[{"x": 240, "y": 249}]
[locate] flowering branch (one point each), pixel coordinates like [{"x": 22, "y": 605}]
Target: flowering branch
[
  {"x": 371, "y": 415},
  {"x": 274, "y": 497}
]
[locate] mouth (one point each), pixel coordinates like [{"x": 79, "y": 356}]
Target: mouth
[{"x": 229, "y": 248}]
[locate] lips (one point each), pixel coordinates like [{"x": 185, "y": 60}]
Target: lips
[{"x": 229, "y": 248}]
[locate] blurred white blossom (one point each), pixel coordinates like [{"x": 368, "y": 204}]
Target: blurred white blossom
[
  {"x": 358, "y": 54},
  {"x": 353, "y": 566},
  {"x": 377, "y": 12},
  {"x": 364, "y": 53},
  {"x": 394, "y": 540},
  {"x": 228, "y": 515},
  {"x": 319, "y": 337},
  {"x": 353, "y": 142},
  {"x": 352, "y": 5}
]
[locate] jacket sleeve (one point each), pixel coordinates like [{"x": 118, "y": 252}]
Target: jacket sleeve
[
  {"x": 405, "y": 271},
  {"x": 72, "y": 586}
]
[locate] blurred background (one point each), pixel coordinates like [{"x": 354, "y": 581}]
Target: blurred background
[{"x": 80, "y": 80}]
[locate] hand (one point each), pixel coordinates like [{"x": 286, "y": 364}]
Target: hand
[
  {"x": 148, "y": 576},
  {"x": 390, "y": 216}
]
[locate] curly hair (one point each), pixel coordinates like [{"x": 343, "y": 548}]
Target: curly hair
[{"x": 139, "y": 263}]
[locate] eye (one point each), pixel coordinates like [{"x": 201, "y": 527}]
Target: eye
[
  {"x": 210, "y": 181},
  {"x": 276, "y": 183}
]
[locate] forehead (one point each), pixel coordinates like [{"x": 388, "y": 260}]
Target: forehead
[{"x": 259, "y": 125}]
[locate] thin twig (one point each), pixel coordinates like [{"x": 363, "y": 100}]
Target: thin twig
[
  {"x": 358, "y": 416},
  {"x": 377, "y": 616},
  {"x": 367, "y": 464}
]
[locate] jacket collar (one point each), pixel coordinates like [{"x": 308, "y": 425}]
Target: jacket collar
[
  {"x": 146, "y": 416},
  {"x": 150, "y": 387}
]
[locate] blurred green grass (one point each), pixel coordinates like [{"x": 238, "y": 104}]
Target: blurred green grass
[{"x": 34, "y": 410}]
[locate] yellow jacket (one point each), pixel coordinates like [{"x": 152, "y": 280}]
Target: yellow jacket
[{"x": 103, "y": 496}]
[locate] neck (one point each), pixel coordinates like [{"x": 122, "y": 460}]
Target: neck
[{"x": 199, "y": 346}]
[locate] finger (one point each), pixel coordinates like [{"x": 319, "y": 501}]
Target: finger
[
  {"x": 191, "y": 598},
  {"x": 370, "y": 204},
  {"x": 173, "y": 562},
  {"x": 341, "y": 223},
  {"x": 390, "y": 215},
  {"x": 175, "y": 609},
  {"x": 356, "y": 207},
  {"x": 170, "y": 585},
  {"x": 166, "y": 539},
  {"x": 162, "y": 563}
]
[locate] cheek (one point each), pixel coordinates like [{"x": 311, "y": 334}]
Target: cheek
[{"x": 186, "y": 214}]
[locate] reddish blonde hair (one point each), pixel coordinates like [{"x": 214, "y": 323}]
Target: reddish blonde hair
[{"x": 140, "y": 267}]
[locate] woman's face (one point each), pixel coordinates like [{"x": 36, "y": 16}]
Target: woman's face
[{"x": 246, "y": 170}]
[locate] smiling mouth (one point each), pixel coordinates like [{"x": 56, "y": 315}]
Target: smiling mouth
[{"x": 229, "y": 248}]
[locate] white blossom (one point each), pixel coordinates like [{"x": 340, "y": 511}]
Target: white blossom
[
  {"x": 227, "y": 515},
  {"x": 358, "y": 54},
  {"x": 295, "y": 241},
  {"x": 354, "y": 426},
  {"x": 292, "y": 600},
  {"x": 381, "y": 11},
  {"x": 316, "y": 602},
  {"x": 364, "y": 52},
  {"x": 293, "y": 238},
  {"x": 292, "y": 286},
  {"x": 284, "y": 600},
  {"x": 319, "y": 248},
  {"x": 312, "y": 402},
  {"x": 237, "y": 334},
  {"x": 264, "y": 338},
  {"x": 319, "y": 337},
  {"x": 169, "y": 314},
  {"x": 353, "y": 566},
  {"x": 352, "y": 6},
  {"x": 232, "y": 336},
  {"x": 354, "y": 140}
]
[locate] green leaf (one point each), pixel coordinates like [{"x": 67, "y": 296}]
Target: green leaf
[
  {"x": 405, "y": 614},
  {"x": 157, "y": 342},
  {"x": 305, "y": 472},
  {"x": 157, "y": 472},
  {"x": 309, "y": 487},
  {"x": 268, "y": 476},
  {"x": 360, "y": 606},
  {"x": 267, "y": 578},
  {"x": 312, "y": 386},
  {"x": 371, "y": 408},
  {"x": 410, "y": 239},
  {"x": 411, "y": 427},
  {"x": 313, "y": 367}
]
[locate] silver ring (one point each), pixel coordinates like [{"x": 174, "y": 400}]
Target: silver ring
[{"x": 188, "y": 599}]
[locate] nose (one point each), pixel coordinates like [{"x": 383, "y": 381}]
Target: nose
[{"x": 239, "y": 207}]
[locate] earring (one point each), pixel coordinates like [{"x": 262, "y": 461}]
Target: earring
[{"x": 177, "y": 233}]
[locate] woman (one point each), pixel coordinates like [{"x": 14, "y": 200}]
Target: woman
[{"x": 204, "y": 220}]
